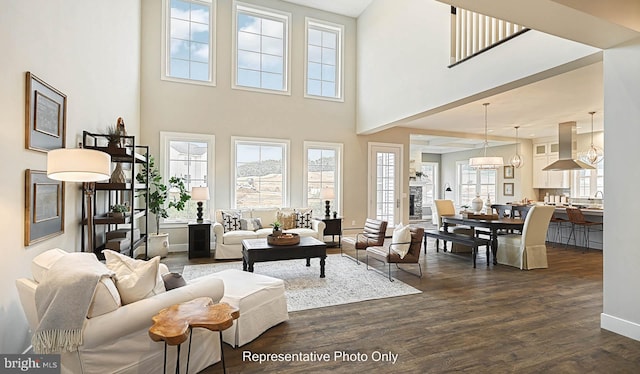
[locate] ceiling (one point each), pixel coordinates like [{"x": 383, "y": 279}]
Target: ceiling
[{"x": 537, "y": 108}]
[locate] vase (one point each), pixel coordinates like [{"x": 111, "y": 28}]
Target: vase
[
  {"x": 277, "y": 232},
  {"x": 118, "y": 174},
  {"x": 476, "y": 204},
  {"x": 487, "y": 204}
]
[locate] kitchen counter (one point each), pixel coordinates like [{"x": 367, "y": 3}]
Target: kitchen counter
[
  {"x": 595, "y": 235},
  {"x": 585, "y": 211}
]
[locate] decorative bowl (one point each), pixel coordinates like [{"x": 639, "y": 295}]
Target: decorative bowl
[{"x": 283, "y": 239}]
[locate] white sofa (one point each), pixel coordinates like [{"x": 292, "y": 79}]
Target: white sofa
[
  {"x": 115, "y": 337},
  {"x": 228, "y": 243}
]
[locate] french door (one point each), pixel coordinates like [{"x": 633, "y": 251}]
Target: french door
[{"x": 385, "y": 165}]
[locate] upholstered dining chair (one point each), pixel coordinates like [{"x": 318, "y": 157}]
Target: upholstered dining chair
[
  {"x": 527, "y": 251},
  {"x": 446, "y": 207},
  {"x": 388, "y": 256},
  {"x": 372, "y": 235}
]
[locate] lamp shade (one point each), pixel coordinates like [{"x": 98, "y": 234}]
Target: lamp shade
[
  {"x": 200, "y": 193},
  {"x": 78, "y": 165},
  {"x": 327, "y": 193},
  {"x": 486, "y": 162}
]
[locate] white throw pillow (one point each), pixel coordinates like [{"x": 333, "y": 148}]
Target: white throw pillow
[
  {"x": 401, "y": 234},
  {"x": 135, "y": 279}
]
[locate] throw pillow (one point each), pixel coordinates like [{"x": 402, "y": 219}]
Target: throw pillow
[
  {"x": 251, "y": 224},
  {"x": 305, "y": 218},
  {"x": 230, "y": 220},
  {"x": 287, "y": 220},
  {"x": 135, "y": 279},
  {"x": 173, "y": 280},
  {"x": 401, "y": 235}
]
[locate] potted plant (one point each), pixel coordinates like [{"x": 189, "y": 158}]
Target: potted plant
[
  {"x": 118, "y": 210},
  {"x": 277, "y": 228},
  {"x": 161, "y": 198}
]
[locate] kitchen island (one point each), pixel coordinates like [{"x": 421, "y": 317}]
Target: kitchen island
[{"x": 595, "y": 234}]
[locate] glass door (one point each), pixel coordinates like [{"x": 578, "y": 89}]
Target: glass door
[{"x": 384, "y": 188}]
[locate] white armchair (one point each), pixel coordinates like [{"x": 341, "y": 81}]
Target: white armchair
[{"x": 527, "y": 251}]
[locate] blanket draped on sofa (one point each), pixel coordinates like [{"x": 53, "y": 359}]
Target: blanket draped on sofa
[{"x": 63, "y": 299}]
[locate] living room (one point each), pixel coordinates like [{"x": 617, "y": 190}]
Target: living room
[{"x": 106, "y": 59}]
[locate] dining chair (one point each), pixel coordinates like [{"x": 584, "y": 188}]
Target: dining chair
[
  {"x": 529, "y": 250},
  {"x": 576, "y": 218},
  {"x": 446, "y": 207}
]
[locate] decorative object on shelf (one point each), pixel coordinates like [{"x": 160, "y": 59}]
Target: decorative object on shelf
[
  {"x": 476, "y": 204},
  {"x": 595, "y": 154},
  {"x": 517, "y": 161},
  {"x": 118, "y": 175},
  {"x": 277, "y": 228},
  {"x": 327, "y": 194},
  {"x": 46, "y": 116},
  {"x": 118, "y": 210},
  {"x": 508, "y": 189},
  {"x": 158, "y": 196},
  {"x": 44, "y": 207},
  {"x": 335, "y": 214},
  {"x": 122, "y": 132},
  {"x": 200, "y": 194},
  {"x": 485, "y": 162},
  {"x": 80, "y": 165},
  {"x": 508, "y": 172},
  {"x": 113, "y": 137},
  {"x": 283, "y": 239}
]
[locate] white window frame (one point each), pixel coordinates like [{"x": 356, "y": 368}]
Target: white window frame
[
  {"x": 478, "y": 184},
  {"x": 166, "y": 40},
  {"x": 338, "y": 148},
  {"x": 285, "y": 143},
  {"x": 265, "y": 13},
  {"x": 165, "y": 138},
  {"x": 331, "y": 27},
  {"x": 596, "y": 173}
]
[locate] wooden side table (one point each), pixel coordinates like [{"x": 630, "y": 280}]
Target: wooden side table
[
  {"x": 333, "y": 227},
  {"x": 173, "y": 324}
]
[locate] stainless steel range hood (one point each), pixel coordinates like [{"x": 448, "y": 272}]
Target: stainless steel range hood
[{"x": 566, "y": 161}]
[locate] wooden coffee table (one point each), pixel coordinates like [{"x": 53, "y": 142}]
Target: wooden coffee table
[{"x": 258, "y": 250}]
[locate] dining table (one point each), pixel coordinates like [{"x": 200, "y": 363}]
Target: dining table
[{"x": 494, "y": 225}]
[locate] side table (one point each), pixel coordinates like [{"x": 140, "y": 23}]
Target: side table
[
  {"x": 173, "y": 324},
  {"x": 333, "y": 227},
  {"x": 199, "y": 239}
]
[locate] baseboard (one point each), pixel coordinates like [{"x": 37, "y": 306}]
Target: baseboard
[{"x": 620, "y": 326}]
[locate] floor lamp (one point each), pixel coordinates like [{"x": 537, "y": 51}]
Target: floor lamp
[{"x": 80, "y": 165}]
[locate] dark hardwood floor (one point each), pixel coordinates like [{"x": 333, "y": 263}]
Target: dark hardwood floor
[{"x": 485, "y": 320}]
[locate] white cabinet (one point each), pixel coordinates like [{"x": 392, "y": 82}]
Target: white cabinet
[{"x": 543, "y": 155}]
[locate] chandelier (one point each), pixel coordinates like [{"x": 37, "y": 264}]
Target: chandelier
[{"x": 485, "y": 162}]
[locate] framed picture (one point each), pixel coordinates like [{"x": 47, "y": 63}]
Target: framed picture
[
  {"x": 508, "y": 189},
  {"x": 46, "y": 115},
  {"x": 508, "y": 172},
  {"x": 44, "y": 207}
]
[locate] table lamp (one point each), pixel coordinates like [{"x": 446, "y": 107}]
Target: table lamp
[
  {"x": 200, "y": 194},
  {"x": 80, "y": 165},
  {"x": 327, "y": 194}
]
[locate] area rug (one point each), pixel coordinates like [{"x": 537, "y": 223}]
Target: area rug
[{"x": 345, "y": 281}]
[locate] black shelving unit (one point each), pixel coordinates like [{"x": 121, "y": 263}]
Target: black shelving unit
[{"x": 131, "y": 154}]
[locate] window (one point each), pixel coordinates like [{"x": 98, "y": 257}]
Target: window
[
  {"x": 324, "y": 59},
  {"x": 260, "y": 168},
  {"x": 190, "y": 157},
  {"x": 261, "y": 45},
  {"x": 472, "y": 182},
  {"x": 323, "y": 170},
  {"x": 588, "y": 182},
  {"x": 189, "y": 38}
]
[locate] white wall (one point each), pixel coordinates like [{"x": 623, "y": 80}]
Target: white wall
[
  {"x": 403, "y": 54},
  {"x": 621, "y": 312},
  {"x": 90, "y": 52}
]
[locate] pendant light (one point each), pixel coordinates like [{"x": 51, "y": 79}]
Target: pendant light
[
  {"x": 485, "y": 162},
  {"x": 517, "y": 160},
  {"x": 595, "y": 154}
]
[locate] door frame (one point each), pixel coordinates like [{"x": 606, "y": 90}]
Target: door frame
[{"x": 371, "y": 183}]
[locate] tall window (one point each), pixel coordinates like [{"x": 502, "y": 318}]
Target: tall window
[
  {"x": 323, "y": 164},
  {"x": 473, "y": 182},
  {"x": 260, "y": 168},
  {"x": 189, "y": 157},
  {"x": 324, "y": 59},
  {"x": 261, "y": 48},
  {"x": 588, "y": 182},
  {"x": 189, "y": 46}
]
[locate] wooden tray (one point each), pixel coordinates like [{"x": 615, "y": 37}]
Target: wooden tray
[
  {"x": 283, "y": 239},
  {"x": 479, "y": 215}
]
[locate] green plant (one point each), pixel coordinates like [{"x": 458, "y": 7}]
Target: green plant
[
  {"x": 160, "y": 199},
  {"x": 119, "y": 208},
  {"x": 277, "y": 225},
  {"x": 112, "y": 134}
]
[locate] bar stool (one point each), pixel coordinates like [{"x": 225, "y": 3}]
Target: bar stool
[
  {"x": 555, "y": 236},
  {"x": 576, "y": 218}
]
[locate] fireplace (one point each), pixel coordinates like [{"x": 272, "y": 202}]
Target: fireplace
[{"x": 415, "y": 202}]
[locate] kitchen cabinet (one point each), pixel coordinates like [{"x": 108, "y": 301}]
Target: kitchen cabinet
[{"x": 543, "y": 155}]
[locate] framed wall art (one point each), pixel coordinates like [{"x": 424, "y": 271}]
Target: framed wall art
[
  {"x": 508, "y": 189},
  {"x": 508, "y": 172},
  {"x": 44, "y": 207},
  {"x": 46, "y": 115}
]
